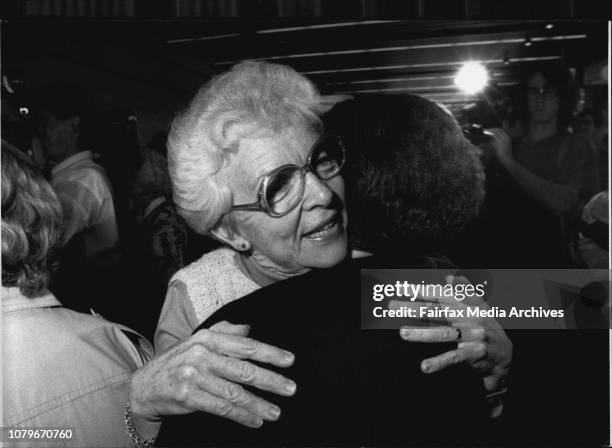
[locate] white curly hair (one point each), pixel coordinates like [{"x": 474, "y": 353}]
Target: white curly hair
[{"x": 253, "y": 95}]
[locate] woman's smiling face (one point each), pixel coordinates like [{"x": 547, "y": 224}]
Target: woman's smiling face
[{"x": 313, "y": 234}]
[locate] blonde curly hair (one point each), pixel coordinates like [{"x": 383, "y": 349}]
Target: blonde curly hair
[{"x": 31, "y": 223}]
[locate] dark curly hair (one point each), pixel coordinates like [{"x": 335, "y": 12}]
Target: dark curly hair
[
  {"x": 31, "y": 223},
  {"x": 412, "y": 177},
  {"x": 558, "y": 76}
]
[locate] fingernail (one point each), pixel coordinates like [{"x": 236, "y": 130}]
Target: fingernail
[
  {"x": 290, "y": 387},
  {"x": 274, "y": 412},
  {"x": 425, "y": 367},
  {"x": 404, "y": 332},
  {"x": 289, "y": 357},
  {"x": 257, "y": 423}
]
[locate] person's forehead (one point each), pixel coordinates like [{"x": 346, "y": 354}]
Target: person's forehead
[
  {"x": 259, "y": 155},
  {"x": 537, "y": 80},
  {"x": 290, "y": 145},
  {"x": 49, "y": 117},
  {"x": 44, "y": 118}
]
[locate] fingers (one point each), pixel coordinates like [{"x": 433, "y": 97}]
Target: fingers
[
  {"x": 226, "y": 327},
  {"x": 418, "y": 308},
  {"x": 586, "y": 243},
  {"x": 246, "y": 373},
  {"x": 238, "y": 396},
  {"x": 443, "y": 334},
  {"x": 466, "y": 352},
  {"x": 436, "y": 334},
  {"x": 197, "y": 375},
  {"x": 457, "y": 280},
  {"x": 212, "y": 404},
  {"x": 469, "y": 299},
  {"x": 497, "y": 133},
  {"x": 493, "y": 382},
  {"x": 244, "y": 348},
  {"x": 500, "y": 142},
  {"x": 218, "y": 351}
]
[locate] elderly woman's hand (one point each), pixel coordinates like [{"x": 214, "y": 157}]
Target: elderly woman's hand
[
  {"x": 481, "y": 342},
  {"x": 204, "y": 374}
]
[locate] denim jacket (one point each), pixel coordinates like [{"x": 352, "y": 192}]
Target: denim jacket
[{"x": 66, "y": 369}]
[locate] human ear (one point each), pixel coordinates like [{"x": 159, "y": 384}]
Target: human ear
[
  {"x": 224, "y": 233},
  {"x": 74, "y": 123}
]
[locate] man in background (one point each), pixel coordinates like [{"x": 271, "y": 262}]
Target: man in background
[
  {"x": 66, "y": 119},
  {"x": 90, "y": 238}
]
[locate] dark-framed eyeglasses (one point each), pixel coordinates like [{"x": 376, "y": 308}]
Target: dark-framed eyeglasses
[
  {"x": 547, "y": 92},
  {"x": 282, "y": 189}
]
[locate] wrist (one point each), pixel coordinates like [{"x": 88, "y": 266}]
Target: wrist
[
  {"x": 142, "y": 432},
  {"x": 141, "y": 413},
  {"x": 140, "y": 397}
]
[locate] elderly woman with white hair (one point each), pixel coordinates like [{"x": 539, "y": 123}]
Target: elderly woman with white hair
[{"x": 251, "y": 165}]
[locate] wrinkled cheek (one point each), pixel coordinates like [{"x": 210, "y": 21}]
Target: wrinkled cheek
[{"x": 272, "y": 235}]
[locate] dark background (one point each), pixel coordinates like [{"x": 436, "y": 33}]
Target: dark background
[
  {"x": 145, "y": 59},
  {"x": 150, "y": 57}
]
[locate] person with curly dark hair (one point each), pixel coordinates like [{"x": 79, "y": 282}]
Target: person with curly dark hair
[
  {"x": 417, "y": 187},
  {"x": 552, "y": 171},
  {"x": 414, "y": 182}
]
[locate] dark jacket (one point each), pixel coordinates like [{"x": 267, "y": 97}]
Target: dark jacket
[{"x": 355, "y": 387}]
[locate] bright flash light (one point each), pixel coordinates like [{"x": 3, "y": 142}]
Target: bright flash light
[{"x": 472, "y": 77}]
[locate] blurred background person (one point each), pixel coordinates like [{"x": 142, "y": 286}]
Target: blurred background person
[
  {"x": 593, "y": 123},
  {"x": 162, "y": 242},
  {"x": 90, "y": 238},
  {"x": 550, "y": 173},
  {"x": 67, "y": 115}
]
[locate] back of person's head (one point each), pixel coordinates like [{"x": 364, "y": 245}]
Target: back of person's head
[
  {"x": 560, "y": 78},
  {"x": 412, "y": 177},
  {"x": 65, "y": 101},
  {"x": 31, "y": 223}
]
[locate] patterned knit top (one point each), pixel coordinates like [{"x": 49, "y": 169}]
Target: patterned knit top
[{"x": 214, "y": 281}]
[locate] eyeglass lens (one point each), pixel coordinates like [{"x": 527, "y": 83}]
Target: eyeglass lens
[
  {"x": 327, "y": 157},
  {"x": 285, "y": 187},
  {"x": 546, "y": 91}
]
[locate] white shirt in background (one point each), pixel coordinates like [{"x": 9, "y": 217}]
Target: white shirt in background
[{"x": 87, "y": 202}]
